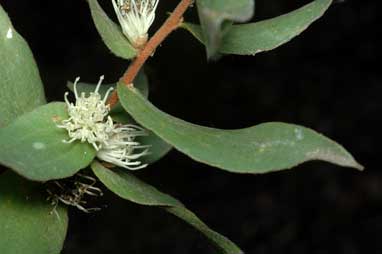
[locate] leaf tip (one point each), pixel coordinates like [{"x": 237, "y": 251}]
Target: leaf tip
[
  {"x": 345, "y": 160},
  {"x": 358, "y": 166}
]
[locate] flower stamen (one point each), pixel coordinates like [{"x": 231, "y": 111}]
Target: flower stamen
[
  {"x": 136, "y": 17},
  {"x": 89, "y": 121}
]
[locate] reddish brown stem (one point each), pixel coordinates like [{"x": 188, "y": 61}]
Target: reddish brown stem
[{"x": 168, "y": 26}]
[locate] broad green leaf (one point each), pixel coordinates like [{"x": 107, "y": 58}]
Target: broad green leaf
[
  {"x": 253, "y": 38},
  {"x": 20, "y": 83},
  {"x": 159, "y": 148},
  {"x": 29, "y": 224},
  {"x": 127, "y": 186},
  {"x": 216, "y": 17},
  {"x": 259, "y": 149},
  {"x": 33, "y": 146},
  {"x": 110, "y": 32}
]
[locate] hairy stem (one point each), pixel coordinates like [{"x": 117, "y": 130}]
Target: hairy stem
[{"x": 168, "y": 26}]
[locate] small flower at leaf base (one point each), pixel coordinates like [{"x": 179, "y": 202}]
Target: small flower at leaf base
[
  {"x": 89, "y": 121},
  {"x": 136, "y": 17},
  {"x": 88, "y": 117}
]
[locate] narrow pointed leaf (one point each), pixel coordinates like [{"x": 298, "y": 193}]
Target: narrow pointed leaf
[
  {"x": 259, "y": 149},
  {"x": 28, "y": 222},
  {"x": 33, "y": 146},
  {"x": 110, "y": 32},
  {"x": 223, "y": 243},
  {"x": 20, "y": 83},
  {"x": 253, "y": 38},
  {"x": 216, "y": 17},
  {"x": 129, "y": 187}
]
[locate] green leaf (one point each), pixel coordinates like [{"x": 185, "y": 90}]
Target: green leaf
[
  {"x": 20, "y": 83},
  {"x": 127, "y": 186},
  {"x": 28, "y": 222},
  {"x": 223, "y": 243},
  {"x": 253, "y": 38},
  {"x": 33, "y": 146},
  {"x": 118, "y": 113},
  {"x": 216, "y": 17},
  {"x": 111, "y": 33},
  {"x": 159, "y": 148},
  {"x": 259, "y": 149}
]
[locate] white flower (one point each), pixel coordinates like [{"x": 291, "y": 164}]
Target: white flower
[
  {"x": 121, "y": 148},
  {"x": 89, "y": 122},
  {"x": 136, "y": 17}
]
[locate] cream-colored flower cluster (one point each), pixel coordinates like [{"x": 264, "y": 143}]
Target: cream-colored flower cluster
[
  {"x": 89, "y": 121},
  {"x": 136, "y": 17}
]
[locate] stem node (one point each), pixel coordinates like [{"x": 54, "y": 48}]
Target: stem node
[{"x": 171, "y": 24}]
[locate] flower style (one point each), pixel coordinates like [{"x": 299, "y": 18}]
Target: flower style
[
  {"x": 136, "y": 17},
  {"x": 89, "y": 122}
]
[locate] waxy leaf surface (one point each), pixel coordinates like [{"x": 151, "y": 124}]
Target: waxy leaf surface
[
  {"x": 129, "y": 187},
  {"x": 253, "y": 38},
  {"x": 29, "y": 224},
  {"x": 21, "y": 88},
  {"x": 216, "y": 17},
  {"x": 259, "y": 149},
  {"x": 110, "y": 32},
  {"x": 33, "y": 145}
]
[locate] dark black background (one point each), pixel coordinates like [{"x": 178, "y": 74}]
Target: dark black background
[{"x": 327, "y": 79}]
